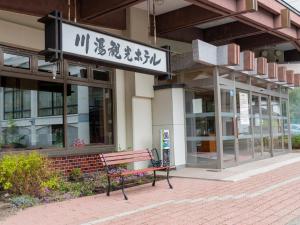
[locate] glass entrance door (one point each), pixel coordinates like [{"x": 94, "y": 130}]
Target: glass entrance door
[
  {"x": 257, "y": 126},
  {"x": 228, "y": 125},
  {"x": 265, "y": 124},
  {"x": 200, "y": 129},
  {"x": 244, "y": 131}
]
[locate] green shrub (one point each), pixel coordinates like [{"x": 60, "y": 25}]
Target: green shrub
[
  {"x": 78, "y": 188},
  {"x": 53, "y": 183},
  {"x": 296, "y": 142},
  {"x": 76, "y": 175},
  {"x": 25, "y": 174},
  {"x": 24, "y": 201}
]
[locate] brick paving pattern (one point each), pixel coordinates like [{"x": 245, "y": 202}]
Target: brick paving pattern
[{"x": 269, "y": 198}]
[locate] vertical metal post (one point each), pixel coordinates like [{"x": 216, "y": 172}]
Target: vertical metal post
[
  {"x": 251, "y": 116},
  {"x": 148, "y": 13},
  {"x": 69, "y": 10},
  {"x": 270, "y": 125},
  {"x": 65, "y": 109},
  {"x": 235, "y": 125},
  {"x": 218, "y": 119},
  {"x": 261, "y": 129},
  {"x": 75, "y": 11},
  {"x": 289, "y": 124},
  {"x": 154, "y": 22}
]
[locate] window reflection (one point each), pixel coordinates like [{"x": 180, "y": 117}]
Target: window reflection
[
  {"x": 16, "y": 61},
  {"x": 101, "y": 74},
  {"x": 93, "y": 123},
  {"x": 32, "y": 114},
  {"x": 77, "y": 71},
  {"x": 48, "y": 67},
  {"x": 17, "y": 103}
]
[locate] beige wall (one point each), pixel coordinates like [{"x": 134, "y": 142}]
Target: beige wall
[
  {"x": 21, "y": 36},
  {"x": 26, "y": 32},
  {"x": 121, "y": 110}
]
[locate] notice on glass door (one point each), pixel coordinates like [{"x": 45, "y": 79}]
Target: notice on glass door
[
  {"x": 244, "y": 109},
  {"x": 197, "y": 105}
]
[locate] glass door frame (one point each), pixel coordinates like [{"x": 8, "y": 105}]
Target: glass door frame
[
  {"x": 262, "y": 117},
  {"x": 233, "y": 114},
  {"x": 227, "y": 80},
  {"x": 226, "y": 84}
]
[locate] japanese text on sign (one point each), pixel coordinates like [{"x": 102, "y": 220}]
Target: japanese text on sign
[{"x": 80, "y": 41}]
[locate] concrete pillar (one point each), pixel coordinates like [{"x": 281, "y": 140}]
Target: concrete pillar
[
  {"x": 169, "y": 113},
  {"x": 138, "y": 90},
  {"x": 120, "y": 110}
]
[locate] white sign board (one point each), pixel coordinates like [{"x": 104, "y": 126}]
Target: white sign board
[
  {"x": 88, "y": 43},
  {"x": 197, "y": 105},
  {"x": 244, "y": 108}
]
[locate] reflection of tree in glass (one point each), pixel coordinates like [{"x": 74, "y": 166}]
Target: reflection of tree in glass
[
  {"x": 11, "y": 136},
  {"x": 295, "y": 106}
]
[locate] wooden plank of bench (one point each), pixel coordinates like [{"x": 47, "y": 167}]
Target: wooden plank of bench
[
  {"x": 125, "y": 153},
  {"x": 117, "y": 157},
  {"x": 131, "y": 172},
  {"x": 122, "y": 161}
]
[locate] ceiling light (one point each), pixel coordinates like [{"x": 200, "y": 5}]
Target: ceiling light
[{"x": 264, "y": 53}]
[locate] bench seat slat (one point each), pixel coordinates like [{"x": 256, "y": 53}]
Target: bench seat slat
[
  {"x": 125, "y": 153},
  {"x": 122, "y": 161},
  {"x": 118, "y": 157},
  {"x": 132, "y": 172}
]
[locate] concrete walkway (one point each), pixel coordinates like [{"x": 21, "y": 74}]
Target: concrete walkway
[
  {"x": 272, "y": 197},
  {"x": 240, "y": 172}
]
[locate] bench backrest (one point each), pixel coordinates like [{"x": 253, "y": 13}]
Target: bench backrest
[{"x": 115, "y": 158}]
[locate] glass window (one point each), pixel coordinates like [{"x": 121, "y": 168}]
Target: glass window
[
  {"x": 20, "y": 126},
  {"x": 77, "y": 71},
  {"x": 93, "y": 122},
  {"x": 200, "y": 102},
  {"x": 48, "y": 67},
  {"x": 275, "y": 103},
  {"x": 16, "y": 61},
  {"x": 284, "y": 105},
  {"x": 200, "y": 126},
  {"x": 227, "y": 126},
  {"x": 265, "y": 106},
  {"x": 227, "y": 97},
  {"x": 101, "y": 74},
  {"x": 16, "y": 103},
  {"x": 72, "y": 96}
]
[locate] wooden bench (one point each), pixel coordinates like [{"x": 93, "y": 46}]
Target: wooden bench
[{"x": 111, "y": 160}]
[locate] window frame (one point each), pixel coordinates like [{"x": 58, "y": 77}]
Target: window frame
[
  {"x": 13, "y": 91},
  {"x": 19, "y": 53},
  {"x": 34, "y": 74}
]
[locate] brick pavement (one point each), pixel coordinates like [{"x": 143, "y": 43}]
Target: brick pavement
[{"x": 269, "y": 198}]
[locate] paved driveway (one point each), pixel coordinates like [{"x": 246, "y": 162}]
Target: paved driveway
[{"x": 269, "y": 198}]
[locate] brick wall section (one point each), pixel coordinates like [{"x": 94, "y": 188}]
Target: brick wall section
[{"x": 87, "y": 163}]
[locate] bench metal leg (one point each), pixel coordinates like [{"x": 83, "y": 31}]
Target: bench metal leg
[
  {"x": 108, "y": 186},
  {"x": 154, "y": 178},
  {"x": 123, "y": 188},
  {"x": 168, "y": 179}
]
